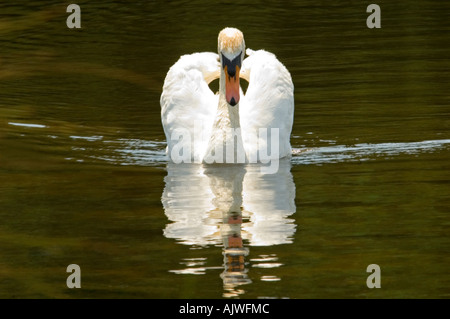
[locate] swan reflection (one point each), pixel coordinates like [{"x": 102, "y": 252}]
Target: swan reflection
[{"x": 230, "y": 206}]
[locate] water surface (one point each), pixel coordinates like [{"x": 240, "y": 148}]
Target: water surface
[{"x": 84, "y": 177}]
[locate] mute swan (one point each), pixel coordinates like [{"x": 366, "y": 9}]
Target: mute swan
[{"x": 230, "y": 126}]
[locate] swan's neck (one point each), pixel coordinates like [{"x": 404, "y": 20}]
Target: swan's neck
[
  {"x": 226, "y": 132},
  {"x": 227, "y": 115}
]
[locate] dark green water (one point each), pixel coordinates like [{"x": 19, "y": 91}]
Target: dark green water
[{"x": 83, "y": 178}]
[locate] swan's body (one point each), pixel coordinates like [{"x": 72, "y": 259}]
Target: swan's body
[{"x": 200, "y": 125}]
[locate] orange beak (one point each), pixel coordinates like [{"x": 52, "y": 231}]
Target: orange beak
[{"x": 232, "y": 86}]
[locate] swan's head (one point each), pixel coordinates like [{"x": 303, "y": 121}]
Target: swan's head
[{"x": 231, "y": 47}]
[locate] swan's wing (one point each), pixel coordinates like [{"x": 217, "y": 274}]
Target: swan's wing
[
  {"x": 268, "y": 104},
  {"x": 188, "y": 106}
]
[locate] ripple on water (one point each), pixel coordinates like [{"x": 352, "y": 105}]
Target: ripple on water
[
  {"x": 141, "y": 152},
  {"x": 363, "y": 151}
]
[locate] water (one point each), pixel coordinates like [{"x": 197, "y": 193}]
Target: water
[{"x": 84, "y": 178}]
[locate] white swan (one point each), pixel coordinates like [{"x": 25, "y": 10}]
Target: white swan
[{"x": 229, "y": 126}]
